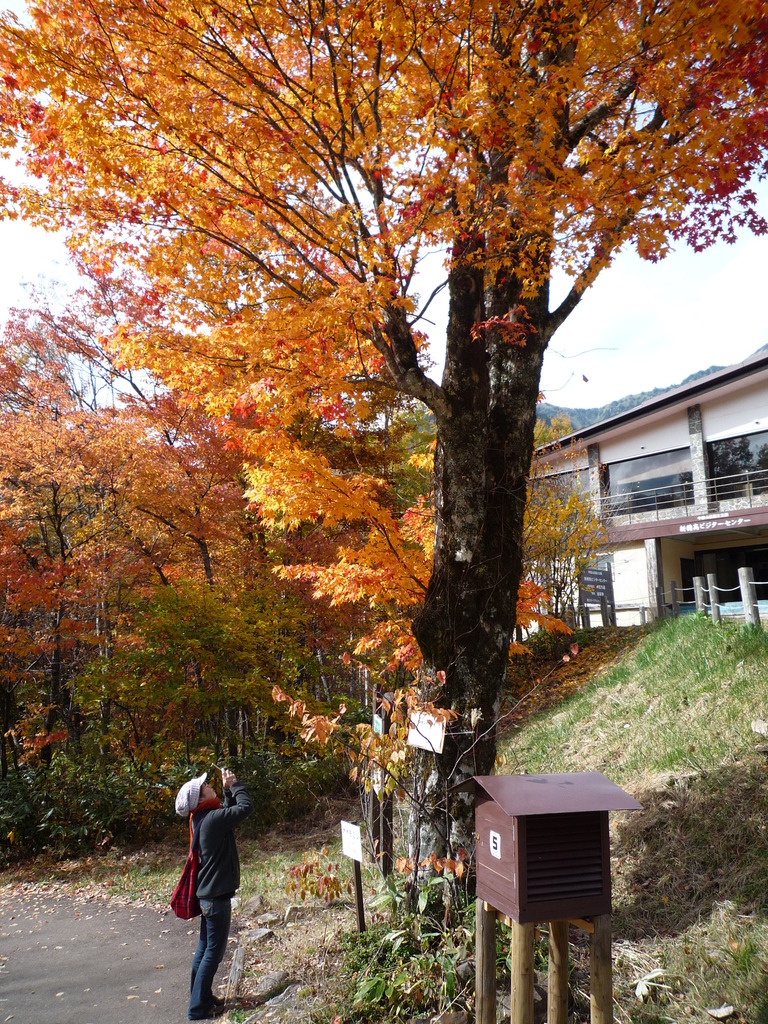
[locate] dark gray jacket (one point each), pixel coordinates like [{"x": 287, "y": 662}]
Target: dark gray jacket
[{"x": 219, "y": 872}]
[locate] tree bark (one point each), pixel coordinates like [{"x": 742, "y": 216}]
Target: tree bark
[{"x": 495, "y": 348}]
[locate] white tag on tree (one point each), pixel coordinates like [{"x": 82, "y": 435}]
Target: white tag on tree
[{"x": 426, "y": 732}]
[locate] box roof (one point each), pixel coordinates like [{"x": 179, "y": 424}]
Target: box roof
[{"x": 568, "y": 793}]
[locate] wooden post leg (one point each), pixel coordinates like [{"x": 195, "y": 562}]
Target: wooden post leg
[
  {"x": 601, "y": 972},
  {"x": 485, "y": 963},
  {"x": 557, "y": 987},
  {"x": 521, "y": 1010}
]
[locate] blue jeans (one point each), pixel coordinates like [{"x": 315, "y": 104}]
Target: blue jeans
[{"x": 211, "y": 946}]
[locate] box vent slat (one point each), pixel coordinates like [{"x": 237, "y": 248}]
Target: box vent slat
[{"x": 564, "y": 857}]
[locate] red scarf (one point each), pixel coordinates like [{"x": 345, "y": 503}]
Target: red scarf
[
  {"x": 205, "y": 805},
  {"x": 208, "y": 805}
]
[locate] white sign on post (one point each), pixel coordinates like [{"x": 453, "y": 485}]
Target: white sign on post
[
  {"x": 351, "y": 841},
  {"x": 426, "y": 732}
]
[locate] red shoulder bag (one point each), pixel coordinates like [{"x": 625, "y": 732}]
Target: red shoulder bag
[{"x": 184, "y": 901}]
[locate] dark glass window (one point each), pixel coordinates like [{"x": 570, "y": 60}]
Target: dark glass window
[
  {"x": 650, "y": 482},
  {"x": 739, "y": 465}
]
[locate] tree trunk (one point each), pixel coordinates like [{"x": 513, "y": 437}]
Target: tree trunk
[
  {"x": 7, "y": 725},
  {"x": 231, "y": 718},
  {"x": 464, "y": 629}
]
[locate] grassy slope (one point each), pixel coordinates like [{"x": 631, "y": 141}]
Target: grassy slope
[{"x": 671, "y": 722}]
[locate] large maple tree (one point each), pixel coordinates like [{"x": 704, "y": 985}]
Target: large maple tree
[{"x": 272, "y": 175}]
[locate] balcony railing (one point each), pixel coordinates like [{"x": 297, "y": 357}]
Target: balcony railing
[
  {"x": 751, "y": 483},
  {"x": 747, "y": 489}
]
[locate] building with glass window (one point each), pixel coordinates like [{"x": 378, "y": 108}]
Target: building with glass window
[{"x": 681, "y": 485}]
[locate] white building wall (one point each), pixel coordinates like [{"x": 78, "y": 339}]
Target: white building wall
[
  {"x": 672, "y": 551},
  {"x": 733, "y": 415},
  {"x": 648, "y": 439}
]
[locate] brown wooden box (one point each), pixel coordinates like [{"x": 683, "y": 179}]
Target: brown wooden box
[{"x": 543, "y": 851}]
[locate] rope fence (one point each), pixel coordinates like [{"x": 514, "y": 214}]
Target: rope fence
[{"x": 708, "y": 600}]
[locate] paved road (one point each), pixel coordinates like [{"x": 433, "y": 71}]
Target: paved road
[{"x": 75, "y": 960}]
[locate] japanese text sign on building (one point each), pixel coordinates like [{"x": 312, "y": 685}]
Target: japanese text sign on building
[{"x": 714, "y": 524}]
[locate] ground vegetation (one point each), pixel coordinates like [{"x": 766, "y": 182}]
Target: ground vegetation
[{"x": 672, "y": 708}]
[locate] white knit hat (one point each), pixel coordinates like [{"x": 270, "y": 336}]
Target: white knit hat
[{"x": 188, "y": 796}]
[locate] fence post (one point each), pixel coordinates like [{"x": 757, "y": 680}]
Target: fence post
[
  {"x": 675, "y": 600},
  {"x": 749, "y": 596},
  {"x": 605, "y": 614},
  {"x": 584, "y": 616},
  {"x": 661, "y": 611},
  {"x": 643, "y": 614},
  {"x": 714, "y": 596},
  {"x": 698, "y": 592}
]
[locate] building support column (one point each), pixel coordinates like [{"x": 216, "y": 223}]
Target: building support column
[
  {"x": 654, "y": 569},
  {"x": 595, "y": 478},
  {"x": 699, "y": 461}
]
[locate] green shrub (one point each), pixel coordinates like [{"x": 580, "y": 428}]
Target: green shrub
[
  {"x": 73, "y": 805},
  {"x": 18, "y": 817},
  {"x": 87, "y": 803},
  {"x": 407, "y": 968}
]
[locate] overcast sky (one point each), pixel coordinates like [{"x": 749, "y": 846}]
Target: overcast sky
[{"x": 645, "y": 325}]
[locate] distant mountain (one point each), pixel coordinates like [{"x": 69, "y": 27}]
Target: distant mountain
[{"x": 581, "y": 418}]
